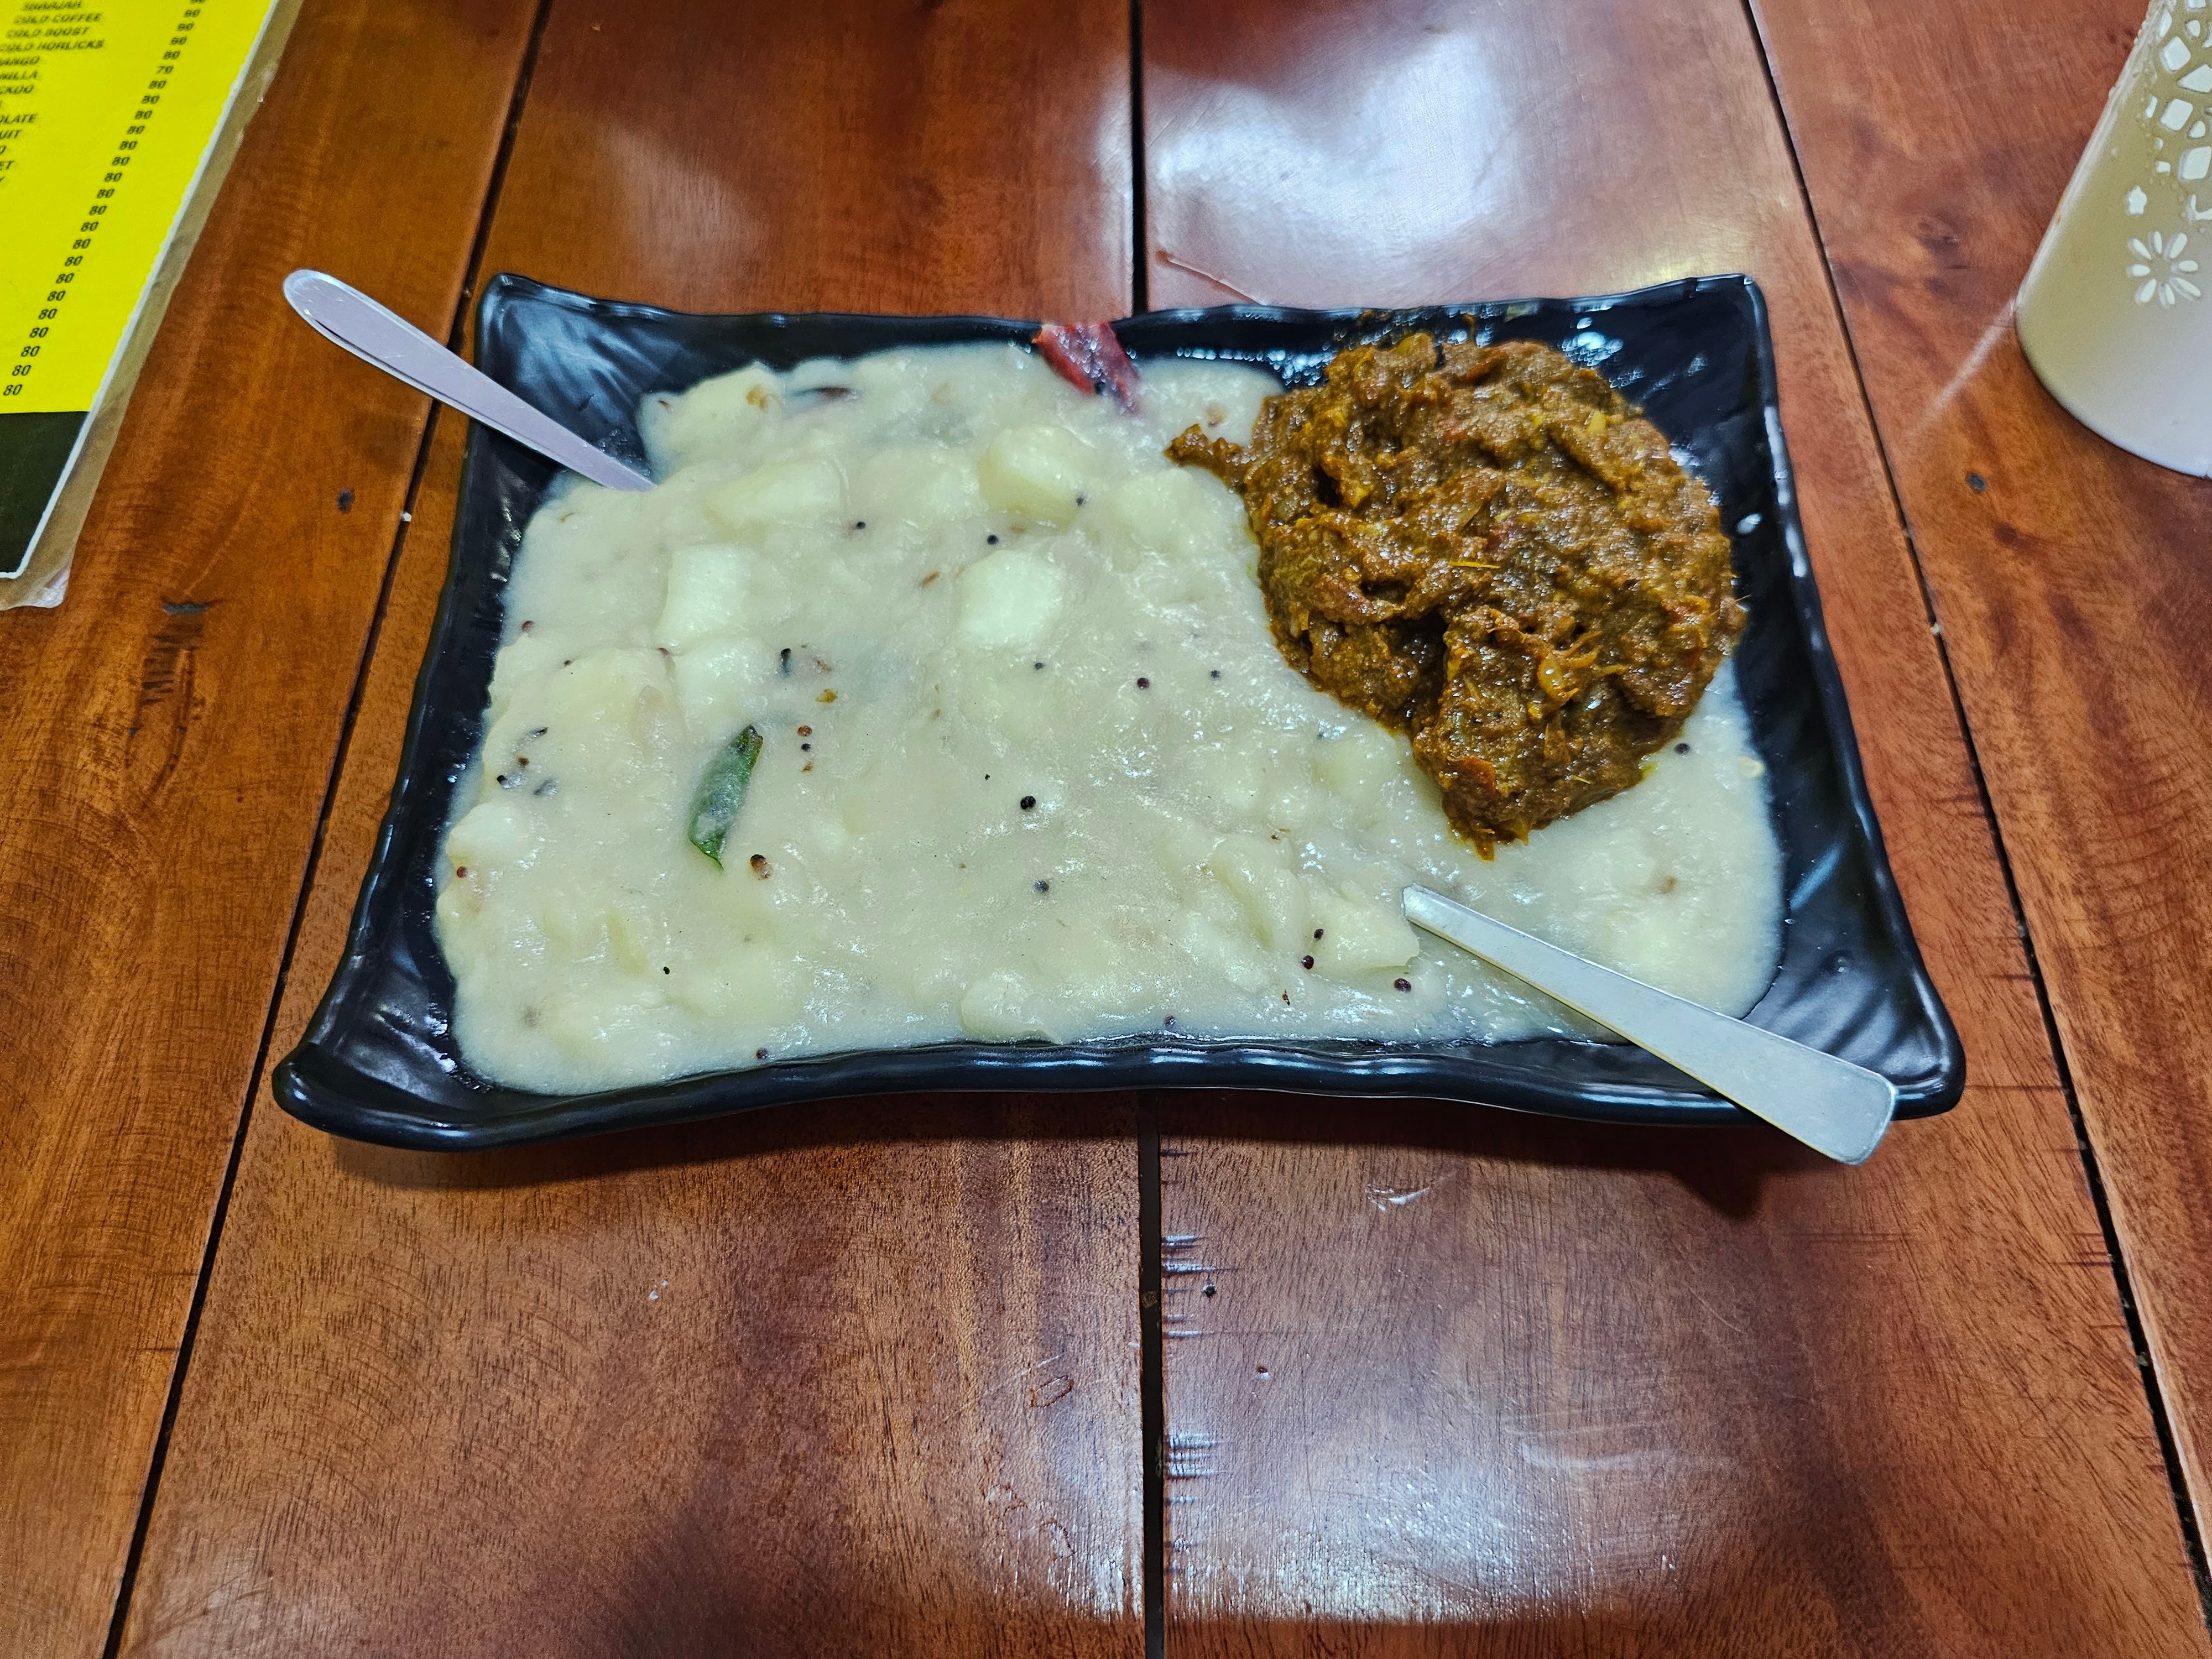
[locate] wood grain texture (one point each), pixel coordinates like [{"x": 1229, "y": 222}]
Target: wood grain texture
[
  {"x": 167, "y": 742},
  {"x": 2074, "y": 586},
  {"x": 1476, "y": 1384},
  {"x": 831, "y": 157},
  {"x": 860, "y": 1377}
]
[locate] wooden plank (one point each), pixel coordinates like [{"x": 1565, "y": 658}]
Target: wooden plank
[
  {"x": 1475, "y": 1385},
  {"x": 851, "y": 1378},
  {"x": 168, "y": 742},
  {"x": 2072, "y": 583}
]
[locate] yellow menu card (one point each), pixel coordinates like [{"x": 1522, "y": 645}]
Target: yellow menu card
[{"x": 116, "y": 122}]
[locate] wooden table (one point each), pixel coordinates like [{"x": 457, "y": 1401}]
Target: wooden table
[{"x": 1236, "y": 1375}]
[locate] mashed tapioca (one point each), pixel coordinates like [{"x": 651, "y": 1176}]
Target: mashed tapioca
[{"x": 1030, "y": 762}]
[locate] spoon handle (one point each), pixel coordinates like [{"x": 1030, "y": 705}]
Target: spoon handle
[
  {"x": 1831, "y": 1105},
  {"x": 347, "y": 316}
]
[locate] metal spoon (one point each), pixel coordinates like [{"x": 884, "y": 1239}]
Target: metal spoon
[
  {"x": 1831, "y": 1105},
  {"x": 344, "y": 315}
]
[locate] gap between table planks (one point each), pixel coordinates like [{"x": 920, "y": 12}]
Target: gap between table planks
[
  {"x": 855, "y": 1377},
  {"x": 169, "y": 737},
  {"x": 2072, "y": 579},
  {"x": 1477, "y": 1384}
]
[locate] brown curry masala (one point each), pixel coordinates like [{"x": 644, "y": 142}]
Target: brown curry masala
[{"x": 1489, "y": 548}]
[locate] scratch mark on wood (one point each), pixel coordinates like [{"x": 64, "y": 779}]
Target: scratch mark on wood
[
  {"x": 1008, "y": 1381},
  {"x": 1387, "y": 1198}
]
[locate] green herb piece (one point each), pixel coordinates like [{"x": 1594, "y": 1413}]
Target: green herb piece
[{"x": 722, "y": 793}]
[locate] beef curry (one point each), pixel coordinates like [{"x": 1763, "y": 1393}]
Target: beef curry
[{"x": 1491, "y": 549}]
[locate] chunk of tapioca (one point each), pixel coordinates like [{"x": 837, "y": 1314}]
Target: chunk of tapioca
[
  {"x": 720, "y": 682},
  {"x": 496, "y": 835},
  {"x": 1257, "y": 873},
  {"x": 1360, "y": 936},
  {"x": 1370, "y": 772},
  {"x": 802, "y": 490},
  {"x": 520, "y": 660},
  {"x": 1183, "y": 847},
  {"x": 708, "y": 589},
  {"x": 1217, "y": 950},
  {"x": 1038, "y": 472},
  {"x": 1009, "y": 599},
  {"x": 715, "y": 417}
]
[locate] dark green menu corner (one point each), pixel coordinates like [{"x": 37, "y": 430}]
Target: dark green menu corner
[{"x": 34, "y": 452}]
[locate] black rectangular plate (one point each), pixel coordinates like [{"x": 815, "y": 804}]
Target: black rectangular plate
[{"x": 379, "y": 1061}]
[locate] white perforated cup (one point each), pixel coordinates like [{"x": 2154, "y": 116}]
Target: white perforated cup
[{"x": 2116, "y": 314}]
